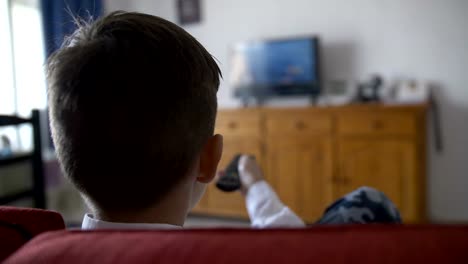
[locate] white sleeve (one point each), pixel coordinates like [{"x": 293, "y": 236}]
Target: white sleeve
[{"x": 266, "y": 210}]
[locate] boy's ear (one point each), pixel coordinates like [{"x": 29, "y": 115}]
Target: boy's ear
[{"x": 209, "y": 158}]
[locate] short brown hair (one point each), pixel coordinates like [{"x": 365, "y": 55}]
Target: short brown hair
[{"x": 132, "y": 101}]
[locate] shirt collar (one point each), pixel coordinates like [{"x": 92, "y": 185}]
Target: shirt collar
[{"x": 90, "y": 223}]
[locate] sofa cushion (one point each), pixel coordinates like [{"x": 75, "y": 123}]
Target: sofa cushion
[
  {"x": 18, "y": 225},
  {"x": 346, "y": 244}
]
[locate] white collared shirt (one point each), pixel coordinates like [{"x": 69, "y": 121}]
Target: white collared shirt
[
  {"x": 263, "y": 205},
  {"x": 89, "y": 223},
  {"x": 266, "y": 209}
]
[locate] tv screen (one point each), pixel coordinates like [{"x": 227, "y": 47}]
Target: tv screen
[{"x": 276, "y": 67}]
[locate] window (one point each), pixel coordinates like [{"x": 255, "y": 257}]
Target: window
[{"x": 22, "y": 78}]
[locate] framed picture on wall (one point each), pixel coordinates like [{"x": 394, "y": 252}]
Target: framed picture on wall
[{"x": 189, "y": 11}]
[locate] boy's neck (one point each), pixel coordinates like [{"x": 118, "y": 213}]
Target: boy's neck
[
  {"x": 170, "y": 210},
  {"x": 150, "y": 216}
]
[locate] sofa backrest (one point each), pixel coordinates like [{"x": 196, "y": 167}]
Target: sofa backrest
[
  {"x": 19, "y": 225},
  {"x": 347, "y": 244}
]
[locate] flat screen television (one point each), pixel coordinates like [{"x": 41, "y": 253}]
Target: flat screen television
[{"x": 276, "y": 67}]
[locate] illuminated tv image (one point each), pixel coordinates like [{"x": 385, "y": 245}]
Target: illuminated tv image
[{"x": 277, "y": 67}]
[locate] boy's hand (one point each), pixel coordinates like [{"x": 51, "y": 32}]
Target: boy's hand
[{"x": 249, "y": 172}]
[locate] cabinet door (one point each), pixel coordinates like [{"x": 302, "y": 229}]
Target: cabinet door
[
  {"x": 300, "y": 170},
  {"x": 385, "y": 164},
  {"x": 233, "y": 203},
  {"x": 241, "y": 130}
]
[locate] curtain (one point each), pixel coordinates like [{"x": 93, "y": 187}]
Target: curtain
[
  {"x": 57, "y": 18},
  {"x": 58, "y": 22}
]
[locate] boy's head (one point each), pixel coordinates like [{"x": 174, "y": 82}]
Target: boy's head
[{"x": 133, "y": 104}]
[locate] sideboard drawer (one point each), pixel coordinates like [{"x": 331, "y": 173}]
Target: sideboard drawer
[
  {"x": 238, "y": 124},
  {"x": 299, "y": 124},
  {"x": 376, "y": 124}
]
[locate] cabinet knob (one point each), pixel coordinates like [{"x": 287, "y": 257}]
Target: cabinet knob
[
  {"x": 319, "y": 157},
  {"x": 346, "y": 181},
  {"x": 377, "y": 124},
  {"x": 300, "y": 125},
  {"x": 232, "y": 125},
  {"x": 335, "y": 179},
  {"x": 340, "y": 180}
]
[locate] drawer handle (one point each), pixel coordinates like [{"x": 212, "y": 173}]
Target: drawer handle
[
  {"x": 300, "y": 125},
  {"x": 378, "y": 125},
  {"x": 232, "y": 125}
]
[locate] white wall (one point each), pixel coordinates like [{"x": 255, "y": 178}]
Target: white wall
[{"x": 423, "y": 39}]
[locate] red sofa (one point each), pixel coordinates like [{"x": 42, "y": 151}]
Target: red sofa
[
  {"x": 344, "y": 244},
  {"x": 19, "y": 225}
]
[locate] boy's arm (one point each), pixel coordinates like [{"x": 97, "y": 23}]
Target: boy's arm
[{"x": 263, "y": 205}]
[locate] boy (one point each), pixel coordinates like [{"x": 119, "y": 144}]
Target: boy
[{"x": 133, "y": 104}]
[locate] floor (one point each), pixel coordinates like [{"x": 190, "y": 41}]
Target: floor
[{"x": 197, "y": 221}]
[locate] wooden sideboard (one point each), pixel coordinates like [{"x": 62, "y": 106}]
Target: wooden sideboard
[{"x": 312, "y": 156}]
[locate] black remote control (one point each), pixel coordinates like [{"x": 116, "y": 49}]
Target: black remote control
[{"x": 230, "y": 181}]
